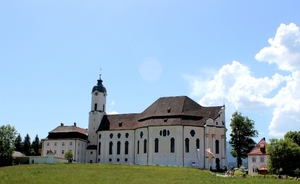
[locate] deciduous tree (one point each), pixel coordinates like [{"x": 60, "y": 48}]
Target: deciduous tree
[
  {"x": 283, "y": 156},
  {"x": 242, "y": 132},
  {"x": 69, "y": 156},
  {"x": 7, "y": 138},
  {"x": 294, "y": 135}
]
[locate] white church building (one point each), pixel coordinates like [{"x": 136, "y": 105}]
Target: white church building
[{"x": 171, "y": 131}]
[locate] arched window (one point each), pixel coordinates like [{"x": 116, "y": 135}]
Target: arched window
[
  {"x": 138, "y": 147},
  {"x": 126, "y": 147},
  {"x": 145, "y": 146},
  {"x": 217, "y": 146},
  {"x": 187, "y": 145},
  {"x": 197, "y": 143},
  {"x": 156, "y": 145},
  {"x": 118, "y": 147},
  {"x": 99, "y": 149},
  {"x": 110, "y": 147},
  {"x": 95, "y": 107},
  {"x": 172, "y": 143}
]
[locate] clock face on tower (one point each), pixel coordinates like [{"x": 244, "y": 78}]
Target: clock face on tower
[{"x": 96, "y": 93}]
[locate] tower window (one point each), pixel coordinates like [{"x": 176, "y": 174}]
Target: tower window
[
  {"x": 95, "y": 107},
  {"x": 103, "y": 108}
]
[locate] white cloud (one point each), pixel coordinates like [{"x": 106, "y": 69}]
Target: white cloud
[
  {"x": 235, "y": 85},
  {"x": 112, "y": 112},
  {"x": 284, "y": 49}
]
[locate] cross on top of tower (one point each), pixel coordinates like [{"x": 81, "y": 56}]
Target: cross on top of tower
[{"x": 100, "y": 73}]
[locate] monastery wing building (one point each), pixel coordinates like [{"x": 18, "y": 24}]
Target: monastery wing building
[{"x": 171, "y": 131}]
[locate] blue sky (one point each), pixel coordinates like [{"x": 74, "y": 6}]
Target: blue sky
[{"x": 244, "y": 54}]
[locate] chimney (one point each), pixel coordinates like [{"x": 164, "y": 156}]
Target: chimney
[
  {"x": 61, "y": 124},
  {"x": 75, "y": 124}
]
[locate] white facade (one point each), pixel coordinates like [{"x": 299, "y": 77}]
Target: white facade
[
  {"x": 60, "y": 146},
  {"x": 256, "y": 162},
  {"x": 132, "y": 138}
]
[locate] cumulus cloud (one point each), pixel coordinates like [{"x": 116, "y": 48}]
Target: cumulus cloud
[{"x": 235, "y": 84}]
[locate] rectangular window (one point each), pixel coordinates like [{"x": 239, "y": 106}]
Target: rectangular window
[
  {"x": 262, "y": 159},
  {"x": 55, "y": 143},
  {"x": 78, "y": 152},
  {"x": 54, "y": 151},
  {"x": 156, "y": 142},
  {"x": 71, "y": 143},
  {"x": 47, "y": 143},
  {"x": 63, "y": 143},
  {"x": 62, "y": 151},
  {"x": 253, "y": 159}
]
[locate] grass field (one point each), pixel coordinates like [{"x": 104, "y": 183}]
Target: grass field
[{"x": 111, "y": 173}]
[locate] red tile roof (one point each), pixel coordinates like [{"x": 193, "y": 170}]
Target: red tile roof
[
  {"x": 260, "y": 148},
  {"x": 180, "y": 110},
  {"x": 68, "y": 129}
]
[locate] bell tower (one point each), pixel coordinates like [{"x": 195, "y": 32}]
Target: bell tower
[{"x": 98, "y": 105}]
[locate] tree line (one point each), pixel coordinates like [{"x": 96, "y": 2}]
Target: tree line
[{"x": 11, "y": 141}]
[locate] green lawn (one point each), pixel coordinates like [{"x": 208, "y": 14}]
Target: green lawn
[{"x": 112, "y": 173}]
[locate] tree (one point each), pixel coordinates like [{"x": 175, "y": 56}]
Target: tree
[
  {"x": 27, "y": 145},
  {"x": 19, "y": 144},
  {"x": 36, "y": 146},
  {"x": 294, "y": 135},
  {"x": 283, "y": 156},
  {"x": 242, "y": 132},
  {"x": 69, "y": 156},
  {"x": 7, "y": 138}
]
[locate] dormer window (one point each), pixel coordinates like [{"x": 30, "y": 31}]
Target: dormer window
[{"x": 169, "y": 109}]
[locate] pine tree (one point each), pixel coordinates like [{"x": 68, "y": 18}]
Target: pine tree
[
  {"x": 36, "y": 146},
  {"x": 27, "y": 145},
  {"x": 18, "y": 144}
]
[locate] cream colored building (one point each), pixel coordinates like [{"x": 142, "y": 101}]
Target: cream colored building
[
  {"x": 257, "y": 158},
  {"x": 168, "y": 132},
  {"x": 66, "y": 138}
]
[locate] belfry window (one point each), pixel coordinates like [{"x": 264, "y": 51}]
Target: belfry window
[{"x": 95, "y": 107}]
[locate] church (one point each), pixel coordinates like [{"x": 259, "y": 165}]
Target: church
[{"x": 173, "y": 131}]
